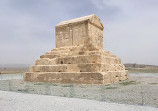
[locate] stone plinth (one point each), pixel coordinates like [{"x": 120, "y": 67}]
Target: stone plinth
[{"x": 79, "y": 56}]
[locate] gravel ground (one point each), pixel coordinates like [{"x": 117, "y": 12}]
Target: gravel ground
[
  {"x": 12, "y": 101},
  {"x": 137, "y": 90}
]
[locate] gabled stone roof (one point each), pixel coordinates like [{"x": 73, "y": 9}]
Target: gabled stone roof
[{"x": 92, "y": 18}]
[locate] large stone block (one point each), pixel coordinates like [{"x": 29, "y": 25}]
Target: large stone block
[{"x": 64, "y": 77}]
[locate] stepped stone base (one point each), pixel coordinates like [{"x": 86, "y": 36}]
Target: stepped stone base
[{"x": 77, "y": 65}]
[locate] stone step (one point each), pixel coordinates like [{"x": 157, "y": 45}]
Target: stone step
[
  {"x": 70, "y": 48},
  {"x": 51, "y": 56},
  {"x": 83, "y": 78},
  {"x": 77, "y": 77},
  {"x": 67, "y": 52},
  {"x": 88, "y": 67},
  {"x": 51, "y": 59}
]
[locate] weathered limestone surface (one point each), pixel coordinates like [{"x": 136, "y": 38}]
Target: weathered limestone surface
[{"x": 79, "y": 56}]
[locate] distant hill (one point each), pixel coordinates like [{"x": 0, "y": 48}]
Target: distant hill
[
  {"x": 140, "y": 66},
  {"x": 4, "y": 67}
]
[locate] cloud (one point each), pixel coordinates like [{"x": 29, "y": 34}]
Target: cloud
[{"x": 27, "y": 27}]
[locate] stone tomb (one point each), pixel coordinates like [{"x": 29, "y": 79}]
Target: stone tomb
[{"x": 79, "y": 56}]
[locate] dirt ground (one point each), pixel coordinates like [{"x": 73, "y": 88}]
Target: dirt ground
[{"x": 137, "y": 90}]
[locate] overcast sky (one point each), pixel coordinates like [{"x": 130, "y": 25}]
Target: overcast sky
[{"x": 27, "y": 27}]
